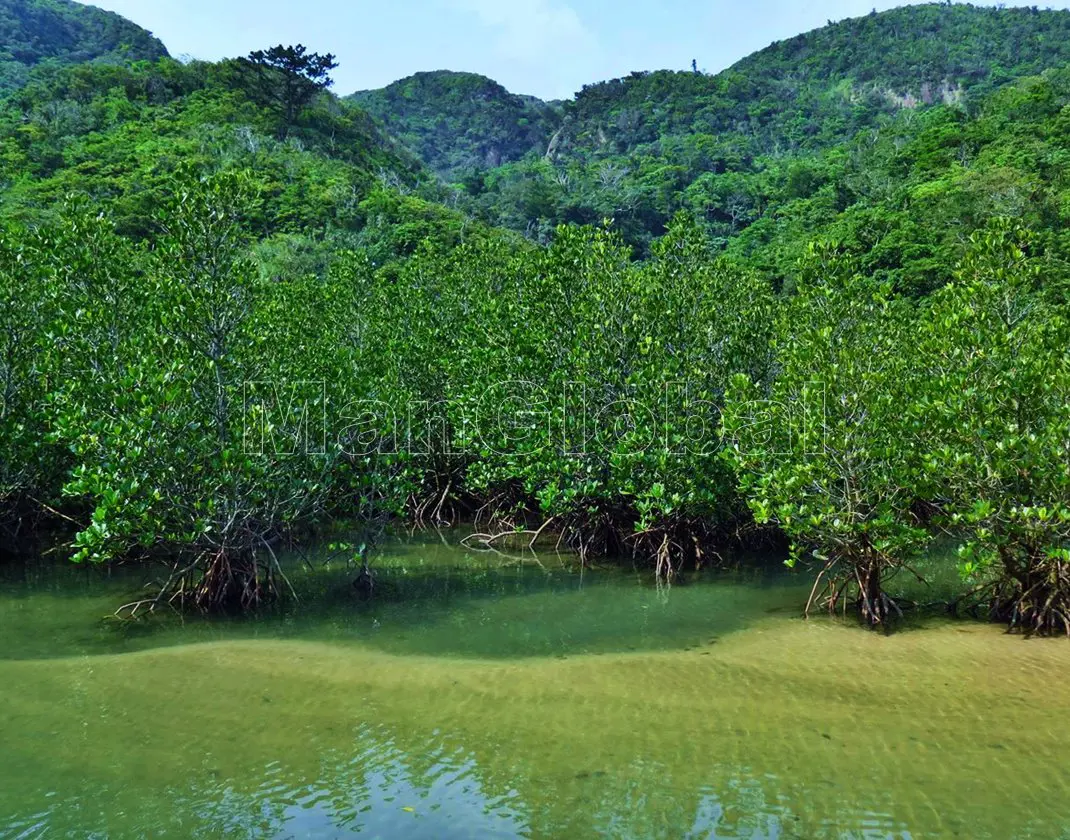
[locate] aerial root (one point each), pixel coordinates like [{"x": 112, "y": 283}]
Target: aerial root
[
  {"x": 220, "y": 579},
  {"x": 859, "y": 586},
  {"x": 1035, "y": 600}
]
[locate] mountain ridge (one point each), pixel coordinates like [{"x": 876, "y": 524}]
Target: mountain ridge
[
  {"x": 37, "y": 32},
  {"x": 941, "y": 52}
]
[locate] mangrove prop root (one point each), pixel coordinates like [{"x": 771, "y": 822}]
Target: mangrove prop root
[
  {"x": 1034, "y": 598},
  {"x": 855, "y": 583},
  {"x": 224, "y": 578},
  {"x": 506, "y": 520}
]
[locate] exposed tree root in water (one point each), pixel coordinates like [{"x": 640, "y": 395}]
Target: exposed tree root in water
[
  {"x": 855, "y": 581},
  {"x": 230, "y": 577},
  {"x": 490, "y": 540},
  {"x": 507, "y": 520},
  {"x": 1033, "y": 596}
]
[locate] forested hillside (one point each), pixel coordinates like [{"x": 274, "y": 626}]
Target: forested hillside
[
  {"x": 820, "y": 87},
  {"x": 460, "y": 122},
  {"x": 903, "y": 198},
  {"x": 637, "y": 149},
  {"x": 60, "y": 32},
  {"x": 118, "y": 135}
]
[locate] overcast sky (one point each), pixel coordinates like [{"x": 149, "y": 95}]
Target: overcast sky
[{"x": 548, "y": 48}]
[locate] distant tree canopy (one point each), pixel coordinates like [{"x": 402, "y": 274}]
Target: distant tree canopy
[
  {"x": 782, "y": 124},
  {"x": 59, "y": 32},
  {"x": 288, "y": 79},
  {"x": 461, "y": 124}
]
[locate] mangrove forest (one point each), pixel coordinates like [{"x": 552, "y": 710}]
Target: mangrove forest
[{"x": 686, "y": 458}]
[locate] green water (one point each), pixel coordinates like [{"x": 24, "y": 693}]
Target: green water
[{"x": 479, "y": 696}]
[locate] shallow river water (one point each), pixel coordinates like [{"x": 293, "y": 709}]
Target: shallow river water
[{"x": 479, "y": 696}]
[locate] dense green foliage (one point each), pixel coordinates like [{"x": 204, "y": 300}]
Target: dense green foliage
[
  {"x": 823, "y": 86},
  {"x": 891, "y": 422},
  {"x": 60, "y": 32},
  {"x": 233, "y": 308},
  {"x": 118, "y": 134},
  {"x": 821, "y": 450},
  {"x": 901, "y": 198},
  {"x": 994, "y": 392},
  {"x": 187, "y": 407},
  {"x": 143, "y": 385},
  {"x": 571, "y": 383},
  {"x": 203, "y": 411},
  {"x": 461, "y": 123}
]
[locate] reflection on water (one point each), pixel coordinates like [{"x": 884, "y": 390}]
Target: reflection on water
[
  {"x": 382, "y": 791},
  {"x": 477, "y": 696},
  {"x": 378, "y": 792}
]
